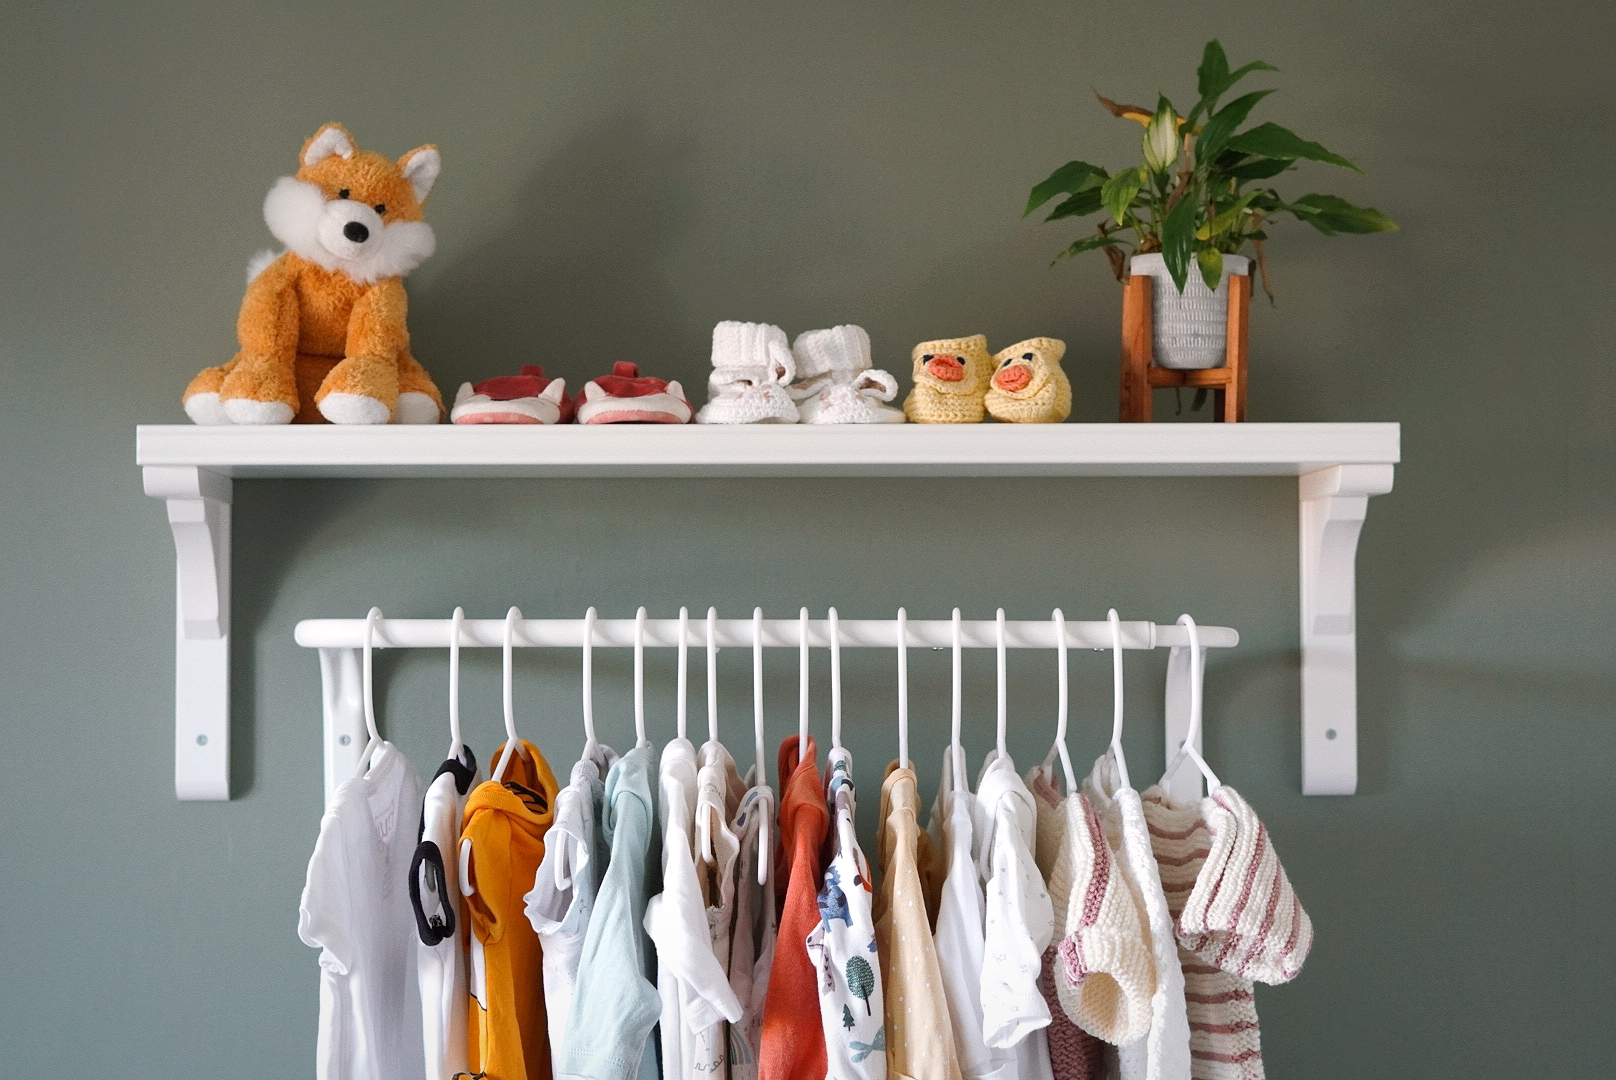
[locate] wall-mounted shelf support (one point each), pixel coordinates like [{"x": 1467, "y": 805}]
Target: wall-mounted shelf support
[
  {"x": 198, "y": 503},
  {"x": 1339, "y": 467},
  {"x": 1334, "y": 502}
]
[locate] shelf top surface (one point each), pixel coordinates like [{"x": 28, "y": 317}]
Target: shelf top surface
[{"x": 769, "y": 449}]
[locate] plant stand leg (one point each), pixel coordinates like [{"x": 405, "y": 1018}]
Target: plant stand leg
[
  {"x": 1136, "y": 351},
  {"x": 1231, "y": 404}
]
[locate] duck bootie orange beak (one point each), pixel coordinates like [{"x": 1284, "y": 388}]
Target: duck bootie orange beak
[
  {"x": 1028, "y": 385},
  {"x": 951, "y": 380}
]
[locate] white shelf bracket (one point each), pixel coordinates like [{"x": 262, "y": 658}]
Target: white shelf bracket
[
  {"x": 1334, "y": 502},
  {"x": 199, "y": 515}
]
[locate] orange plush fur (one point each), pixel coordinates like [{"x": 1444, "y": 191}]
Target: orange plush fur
[{"x": 322, "y": 326}]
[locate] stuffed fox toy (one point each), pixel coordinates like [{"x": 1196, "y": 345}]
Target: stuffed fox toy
[{"x": 321, "y": 329}]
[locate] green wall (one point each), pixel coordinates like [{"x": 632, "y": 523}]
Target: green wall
[{"x": 619, "y": 177}]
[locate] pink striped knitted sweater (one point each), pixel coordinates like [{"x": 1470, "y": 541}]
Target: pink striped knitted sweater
[{"x": 1225, "y": 1043}]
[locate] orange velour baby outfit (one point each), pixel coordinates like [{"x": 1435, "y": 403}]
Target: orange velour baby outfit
[
  {"x": 506, "y": 823},
  {"x": 793, "y": 1045}
]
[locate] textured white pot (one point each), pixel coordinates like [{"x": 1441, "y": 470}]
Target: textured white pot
[{"x": 1189, "y": 328}]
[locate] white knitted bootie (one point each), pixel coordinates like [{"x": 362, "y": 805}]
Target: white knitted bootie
[
  {"x": 752, "y": 366},
  {"x": 835, "y": 383}
]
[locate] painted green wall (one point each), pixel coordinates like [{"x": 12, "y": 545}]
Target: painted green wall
[{"x": 619, "y": 177}]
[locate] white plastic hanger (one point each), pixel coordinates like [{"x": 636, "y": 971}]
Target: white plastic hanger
[
  {"x": 835, "y": 684},
  {"x": 563, "y": 871},
  {"x": 684, "y": 672},
  {"x": 590, "y": 742},
  {"x": 802, "y": 686},
  {"x": 1197, "y": 673},
  {"x": 639, "y": 679},
  {"x": 1060, "y": 716},
  {"x": 1116, "y": 698},
  {"x": 456, "y": 621},
  {"x": 712, "y": 673},
  {"x": 760, "y": 778},
  {"x": 954, "y": 748},
  {"x": 999, "y": 642},
  {"x": 374, "y": 736},
  {"x": 704, "y": 834},
  {"x": 512, "y": 617},
  {"x": 903, "y": 690}
]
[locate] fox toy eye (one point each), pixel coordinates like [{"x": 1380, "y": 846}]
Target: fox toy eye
[
  {"x": 343, "y": 194},
  {"x": 1006, "y": 363},
  {"x": 380, "y": 208},
  {"x": 1026, "y": 356}
]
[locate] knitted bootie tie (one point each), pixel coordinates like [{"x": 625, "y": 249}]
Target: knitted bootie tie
[
  {"x": 835, "y": 383},
  {"x": 951, "y": 380},
  {"x": 1242, "y": 915},
  {"x": 1029, "y": 386},
  {"x": 752, "y": 366}
]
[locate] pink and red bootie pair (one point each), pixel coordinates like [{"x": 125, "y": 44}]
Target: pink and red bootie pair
[{"x": 623, "y": 397}]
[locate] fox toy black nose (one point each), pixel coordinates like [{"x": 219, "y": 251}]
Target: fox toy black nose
[{"x": 356, "y": 232}]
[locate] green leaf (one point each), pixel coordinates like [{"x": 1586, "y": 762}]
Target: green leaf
[
  {"x": 1214, "y": 69},
  {"x": 1069, "y": 179},
  {"x": 1119, "y": 191},
  {"x": 1215, "y": 79},
  {"x": 1215, "y": 136},
  {"x": 1331, "y": 215},
  {"x": 1271, "y": 140},
  {"x": 1258, "y": 168},
  {"x": 1084, "y": 202},
  {"x": 1088, "y": 243},
  {"x": 1211, "y": 260},
  {"x": 1178, "y": 240},
  {"x": 1226, "y": 219}
]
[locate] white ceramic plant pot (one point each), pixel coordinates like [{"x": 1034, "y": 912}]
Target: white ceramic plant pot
[{"x": 1190, "y": 329}]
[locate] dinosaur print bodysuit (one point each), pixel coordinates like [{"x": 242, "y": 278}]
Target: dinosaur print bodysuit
[{"x": 842, "y": 946}]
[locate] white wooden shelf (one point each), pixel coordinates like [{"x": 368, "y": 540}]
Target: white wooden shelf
[{"x": 1338, "y": 466}]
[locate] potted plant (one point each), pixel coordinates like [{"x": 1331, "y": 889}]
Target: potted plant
[{"x": 1198, "y": 199}]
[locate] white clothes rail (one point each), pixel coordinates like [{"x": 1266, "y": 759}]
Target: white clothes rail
[
  {"x": 341, "y": 643},
  {"x": 733, "y": 633}
]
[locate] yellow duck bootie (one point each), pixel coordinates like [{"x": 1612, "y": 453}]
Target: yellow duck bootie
[
  {"x": 951, "y": 379},
  {"x": 1029, "y": 386}
]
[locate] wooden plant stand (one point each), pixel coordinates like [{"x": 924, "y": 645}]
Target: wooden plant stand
[{"x": 1141, "y": 376}]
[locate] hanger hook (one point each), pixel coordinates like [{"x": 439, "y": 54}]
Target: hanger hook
[
  {"x": 1187, "y": 748},
  {"x": 835, "y": 682},
  {"x": 757, "y": 695},
  {"x": 372, "y": 734},
  {"x": 712, "y": 673},
  {"x": 590, "y": 742},
  {"x": 1116, "y": 696},
  {"x": 802, "y": 683},
  {"x": 639, "y": 679},
  {"x": 999, "y": 642},
  {"x": 760, "y": 775},
  {"x": 1063, "y": 703},
  {"x": 956, "y": 751},
  {"x": 457, "y": 624},
  {"x": 903, "y": 690},
  {"x": 512, "y": 617},
  {"x": 684, "y": 672}
]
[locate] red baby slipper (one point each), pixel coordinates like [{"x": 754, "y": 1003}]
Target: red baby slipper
[
  {"x": 528, "y": 398},
  {"x": 627, "y": 397}
]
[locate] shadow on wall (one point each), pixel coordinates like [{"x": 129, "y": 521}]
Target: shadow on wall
[{"x": 575, "y": 279}]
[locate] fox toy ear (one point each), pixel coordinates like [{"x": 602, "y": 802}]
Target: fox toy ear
[
  {"x": 330, "y": 139},
  {"x": 420, "y": 167}
]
